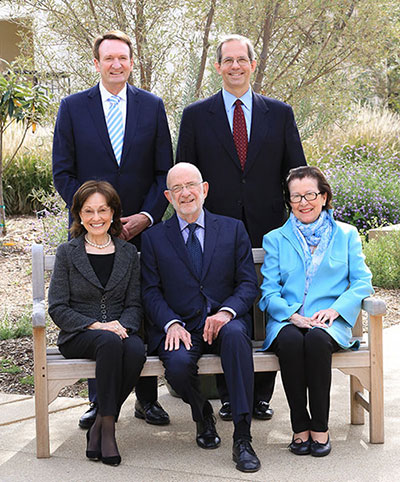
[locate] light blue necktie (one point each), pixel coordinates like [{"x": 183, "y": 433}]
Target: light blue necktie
[{"x": 115, "y": 126}]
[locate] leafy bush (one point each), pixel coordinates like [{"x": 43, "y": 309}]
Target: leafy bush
[
  {"x": 382, "y": 257},
  {"x": 26, "y": 173},
  {"x": 365, "y": 183},
  {"x": 9, "y": 329},
  {"x": 53, "y": 219}
]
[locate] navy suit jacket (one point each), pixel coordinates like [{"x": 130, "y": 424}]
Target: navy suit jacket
[
  {"x": 82, "y": 150},
  {"x": 255, "y": 194},
  {"x": 172, "y": 290}
]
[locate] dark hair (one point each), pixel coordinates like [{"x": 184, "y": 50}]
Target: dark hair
[
  {"x": 314, "y": 173},
  {"x": 81, "y": 196},
  {"x": 111, "y": 35},
  {"x": 229, "y": 38}
]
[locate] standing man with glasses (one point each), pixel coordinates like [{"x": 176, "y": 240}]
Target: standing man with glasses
[
  {"x": 118, "y": 133},
  {"x": 244, "y": 144}
]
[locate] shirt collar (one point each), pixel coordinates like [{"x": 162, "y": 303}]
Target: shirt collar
[
  {"x": 199, "y": 221},
  {"x": 105, "y": 94},
  {"x": 230, "y": 99}
]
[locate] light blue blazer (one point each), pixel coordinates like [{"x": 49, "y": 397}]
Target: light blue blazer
[{"x": 342, "y": 281}]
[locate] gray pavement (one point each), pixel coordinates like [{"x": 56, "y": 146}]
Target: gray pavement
[{"x": 170, "y": 453}]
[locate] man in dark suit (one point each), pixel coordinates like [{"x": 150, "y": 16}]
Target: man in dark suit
[
  {"x": 198, "y": 286},
  {"x": 244, "y": 151},
  {"x": 118, "y": 133}
]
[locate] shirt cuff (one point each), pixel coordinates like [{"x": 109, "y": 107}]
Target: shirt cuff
[
  {"x": 171, "y": 322},
  {"x": 229, "y": 310},
  {"x": 149, "y": 216}
]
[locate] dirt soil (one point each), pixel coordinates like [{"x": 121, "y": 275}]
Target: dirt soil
[{"x": 15, "y": 294}]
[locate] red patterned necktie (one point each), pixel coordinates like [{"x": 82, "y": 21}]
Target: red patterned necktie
[{"x": 240, "y": 133}]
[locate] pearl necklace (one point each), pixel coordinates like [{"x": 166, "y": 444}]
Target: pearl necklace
[{"x": 99, "y": 246}]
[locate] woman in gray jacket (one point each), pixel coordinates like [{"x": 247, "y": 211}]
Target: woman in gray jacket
[{"x": 94, "y": 297}]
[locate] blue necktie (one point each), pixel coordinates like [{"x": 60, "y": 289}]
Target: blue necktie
[
  {"x": 194, "y": 248},
  {"x": 115, "y": 126}
]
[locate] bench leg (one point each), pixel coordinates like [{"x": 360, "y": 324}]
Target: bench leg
[
  {"x": 376, "y": 413},
  {"x": 41, "y": 394},
  {"x": 356, "y": 410}
]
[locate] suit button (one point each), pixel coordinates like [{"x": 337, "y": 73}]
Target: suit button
[
  {"x": 239, "y": 203},
  {"x": 198, "y": 312},
  {"x": 243, "y": 181},
  {"x": 201, "y": 287}
]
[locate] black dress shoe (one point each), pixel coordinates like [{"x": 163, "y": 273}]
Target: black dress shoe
[
  {"x": 262, "y": 411},
  {"x": 225, "y": 412},
  {"x": 320, "y": 450},
  {"x": 244, "y": 456},
  {"x": 298, "y": 447},
  {"x": 152, "y": 413},
  {"x": 206, "y": 434},
  {"x": 114, "y": 460},
  {"x": 92, "y": 454},
  {"x": 88, "y": 418}
]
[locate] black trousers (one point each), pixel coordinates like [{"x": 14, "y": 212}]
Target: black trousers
[
  {"x": 305, "y": 358},
  {"x": 118, "y": 364},
  {"x": 234, "y": 347}
]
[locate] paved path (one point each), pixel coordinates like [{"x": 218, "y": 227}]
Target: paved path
[{"x": 170, "y": 453}]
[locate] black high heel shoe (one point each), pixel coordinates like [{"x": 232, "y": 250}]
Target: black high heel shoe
[
  {"x": 114, "y": 460},
  {"x": 92, "y": 454}
]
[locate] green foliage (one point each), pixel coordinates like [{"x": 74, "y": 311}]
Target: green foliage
[
  {"x": 9, "y": 329},
  {"x": 382, "y": 257},
  {"x": 26, "y": 174},
  {"x": 7, "y": 366},
  {"x": 28, "y": 380}
]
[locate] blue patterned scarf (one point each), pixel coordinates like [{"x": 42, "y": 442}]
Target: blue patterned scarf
[{"x": 319, "y": 234}]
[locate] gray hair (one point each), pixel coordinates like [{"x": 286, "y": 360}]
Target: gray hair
[{"x": 241, "y": 38}]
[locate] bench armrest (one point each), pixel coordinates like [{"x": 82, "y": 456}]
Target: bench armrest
[
  {"x": 374, "y": 306},
  {"x": 38, "y": 313}
]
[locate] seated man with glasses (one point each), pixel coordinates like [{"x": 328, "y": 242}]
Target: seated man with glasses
[{"x": 198, "y": 286}]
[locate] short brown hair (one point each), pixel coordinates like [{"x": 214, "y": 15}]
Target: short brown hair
[
  {"x": 229, "y": 38},
  {"x": 314, "y": 173},
  {"x": 111, "y": 35},
  {"x": 80, "y": 197}
]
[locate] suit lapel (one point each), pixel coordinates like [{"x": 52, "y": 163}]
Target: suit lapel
[
  {"x": 210, "y": 240},
  {"x": 132, "y": 116},
  {"x": 81, "y": 262},
  {"x": 220, "y": 124},
  {"x": 120, "y": 266},
  {"x": 175, "y": 237},
  {"x": 259, "y": 129},
  {"x": 97, "y": 114}
]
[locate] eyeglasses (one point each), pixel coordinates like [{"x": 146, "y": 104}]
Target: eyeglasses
[
  {"x": 190, "y": 186},
  {"x": 89, "y": 213},
  {"x": 308, "y": 196},
  {"x": 229, "y": 61}
]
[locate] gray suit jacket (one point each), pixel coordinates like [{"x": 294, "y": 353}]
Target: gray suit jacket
[{"x": 77, "y": 299}]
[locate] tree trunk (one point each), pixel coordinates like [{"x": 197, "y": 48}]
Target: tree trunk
[
  {"x": 2, "y": 207},
  {"x": 206, "y": 46}
]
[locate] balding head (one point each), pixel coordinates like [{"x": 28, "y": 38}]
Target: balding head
[{"x": 186, "y": 190}]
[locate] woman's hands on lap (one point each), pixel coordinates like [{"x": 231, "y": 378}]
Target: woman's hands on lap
[
  {"x": 325, "y": 316},
  {"x": 114, "y": 326},
  {"x": 322, "y": 318}
]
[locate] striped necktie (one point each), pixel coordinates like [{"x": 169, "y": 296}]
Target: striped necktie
[{"x": 115, "y": 126}]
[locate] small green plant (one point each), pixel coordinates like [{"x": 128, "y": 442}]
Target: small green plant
[
  {"x": 7, "y": 366},
  {"x": 10, "y": 329},
  {"x": 28, "y": 380},
  {"x": 382, "y": 257}
]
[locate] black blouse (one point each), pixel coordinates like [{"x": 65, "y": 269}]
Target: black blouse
[{"x": 102, "y": 265}]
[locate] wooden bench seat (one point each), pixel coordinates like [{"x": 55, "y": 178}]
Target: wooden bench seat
[{"x": 52, "y": 371}]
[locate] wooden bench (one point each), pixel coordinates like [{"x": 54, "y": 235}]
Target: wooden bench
[{"x": 52, "y": 371}]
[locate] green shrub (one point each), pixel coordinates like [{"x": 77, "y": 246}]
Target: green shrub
[
  {"x": 9, "y": 329},
  {"x": 365, "y": 181},
  {"x": 382, "y": 255},
  {"x": 7, "y": 366},
  {"x": 26, "y": 173}
]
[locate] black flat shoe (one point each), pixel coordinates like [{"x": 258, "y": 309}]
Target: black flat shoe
[
  {"x": 320, "y": 450},
  {"x": 206, "y": 434},
  {"x": 151, "y": 413},
  {"x": 225, "y": 412},
  {"x": 114, "y": 460},
  {"x": 300, "y": 448},
  {"x": 88, "y": 418},
  {"x": 244, "y": 456},
  {"x": 262, "y": 411},
  {"x": 92, "y": 454}
]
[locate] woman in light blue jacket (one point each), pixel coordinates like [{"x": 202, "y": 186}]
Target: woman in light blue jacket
[{"x": 315, "y": 279}]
